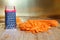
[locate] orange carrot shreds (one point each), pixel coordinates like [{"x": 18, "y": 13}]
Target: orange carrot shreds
[
  {"x": 25, "y": 26},
  {"x": 48, "y": 22},
  {"x": 18, "y": 21},
  {"x": 54, "y": 23},
  {"x": 44, "y": 27},
  {"x": 36, "y": 26}
]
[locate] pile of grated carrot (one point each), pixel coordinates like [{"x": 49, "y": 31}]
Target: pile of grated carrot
[{"x": 36, "y": 26}]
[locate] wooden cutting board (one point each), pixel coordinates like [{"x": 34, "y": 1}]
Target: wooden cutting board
[{"x": 52, "y": 34}]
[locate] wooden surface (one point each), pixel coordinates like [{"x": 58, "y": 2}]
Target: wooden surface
[{"x": 52, "y": 34}]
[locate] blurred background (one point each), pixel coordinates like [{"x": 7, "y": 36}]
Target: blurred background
[{"x": 33, "y": 8}]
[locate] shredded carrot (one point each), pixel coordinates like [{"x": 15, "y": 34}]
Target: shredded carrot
[
  {"x": 36, "y": 26},
  {"x": 18, "y": 21}
]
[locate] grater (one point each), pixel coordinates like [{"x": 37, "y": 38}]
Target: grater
[{"x": 10, "y": 32}]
